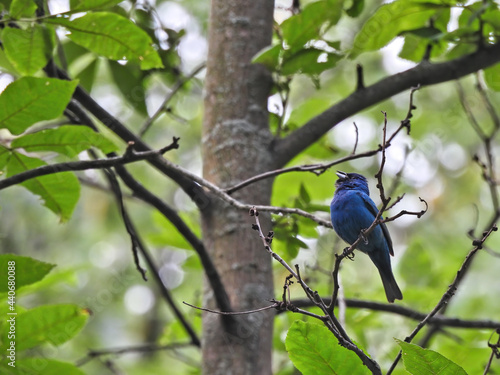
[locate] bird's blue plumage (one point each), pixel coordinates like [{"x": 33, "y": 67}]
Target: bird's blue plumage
[{"x": 352, "y": 210}]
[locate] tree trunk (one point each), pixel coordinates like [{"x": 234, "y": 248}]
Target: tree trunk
[{"x": 236, "y": 145}]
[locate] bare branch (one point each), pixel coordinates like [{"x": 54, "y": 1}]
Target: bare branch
[
  {"x": 328, "y": 319},
  {"x": 130, "y": 156},
  {"x": 139, "y": 246},
  {"x": 273, "y": 306},
  {"x": 170, "y": 214},
  {"x": 147, "y": 124},
  {"x": 450, "y": 292},
  {"x": 146, "y": 348},
  {"x": 437, "y": 320}
]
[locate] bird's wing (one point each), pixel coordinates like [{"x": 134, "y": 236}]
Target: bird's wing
[{"x": 370, "y": 205}]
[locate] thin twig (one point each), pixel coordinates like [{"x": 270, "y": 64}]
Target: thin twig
[
  {"x": 147, "y": 124},
  {"x": 81, "y": 165},
  {"x": 437, "y": 320},
  {"x": 329, "y": 320},
  {"x": 146, "y": 348},
  {"x": 450, "y": 292}
]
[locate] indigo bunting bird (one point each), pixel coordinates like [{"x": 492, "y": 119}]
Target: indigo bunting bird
[{"x": 352, "y": 210}]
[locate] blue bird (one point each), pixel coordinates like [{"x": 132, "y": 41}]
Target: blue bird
[{"x": 352, "y": 210}]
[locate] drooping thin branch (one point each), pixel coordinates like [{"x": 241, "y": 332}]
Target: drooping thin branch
[
  {"x": 273, "y": 306},
  {"x": 450, "y": 292},
  {"x": 136, "y": 242},
  {"x": 130, "y": 156},
  {"x": 139, "y": 247},
  {"x": 170, "y": 214}
]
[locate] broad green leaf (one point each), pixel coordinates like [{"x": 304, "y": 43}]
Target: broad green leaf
[
  {"x": 67, "y": 140},
  {"x": 492, "y": 77},
  {"x": 130, "y": 83},
  {"x": 54, "y": 324},
  {"x": 315, "y": 351},
  {"x": 29, "y": 49},
  {"x": 112, "y": 36},
  {"x": 84, "y": 5},
  {"x": 22, "y": 270},
  {"x": 40, "y": 366},
  {"x": 29, "y": 100},
  {"x": 22, "y": 8},
  {"x": 307, "y": 61},
  {"x": 269, "y": 57},
  {"x": 86, "y": 75},
  {"x": 493, "y": 18},
  {"x": 401, "y": 15},
  {"x": 420, "y": 361},
  {"x": 169, "y": 235},
  {"x": 59, "y": 191},
  {"x": 308, "y": 25}
]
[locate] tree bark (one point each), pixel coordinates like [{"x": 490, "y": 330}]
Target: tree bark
[{"x": 236, "y": 145}]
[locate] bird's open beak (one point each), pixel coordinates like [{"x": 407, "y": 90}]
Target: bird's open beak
[{"x": 341, "y": 175}]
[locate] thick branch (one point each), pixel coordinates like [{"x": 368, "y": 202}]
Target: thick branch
[{"x": 423, "y": 74}]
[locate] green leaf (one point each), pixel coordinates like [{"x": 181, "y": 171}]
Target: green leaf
[
  {"x": 420, "y": 361},
  {"x": 112, "y": 36},
  {"x": 4, "y": 156},
  {"x": 40, "y": 366},
  {"x": 30, "y": 49},
  {"x": 67, "y": 140},
  {"x": 22, "y": 270},
  {"x": 304, "y": 195},
  {"x": 269, "y": 57},
  {"x": 29, "y": 100},
  {"x": 54, "y": 324},
  {"x": 315, "y": 351},
  {"x": 306, "y": 61},
  {"x": 401, "y": 15},
  {"x": 356, "y": 8},
  {"x": 59, "y": 191},
  {"x": 84, "y": 5},
  {"x": 130, "y": 83},
  {"x": 22, "y": 8},
  {"x": 309, "y": 24},
  {"x": 492, "y": 17},
  {"x": 415, "y": 48},
  {"x": 492, "y": 77},
  {"x": 169, "y": 234}
]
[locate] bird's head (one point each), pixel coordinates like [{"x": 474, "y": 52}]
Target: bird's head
[{"x": 351, "y": 181}]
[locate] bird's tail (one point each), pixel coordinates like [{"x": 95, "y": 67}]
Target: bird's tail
[
  {"x": 383, "y": 263},
  {"x": 391, "y": 288}
]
